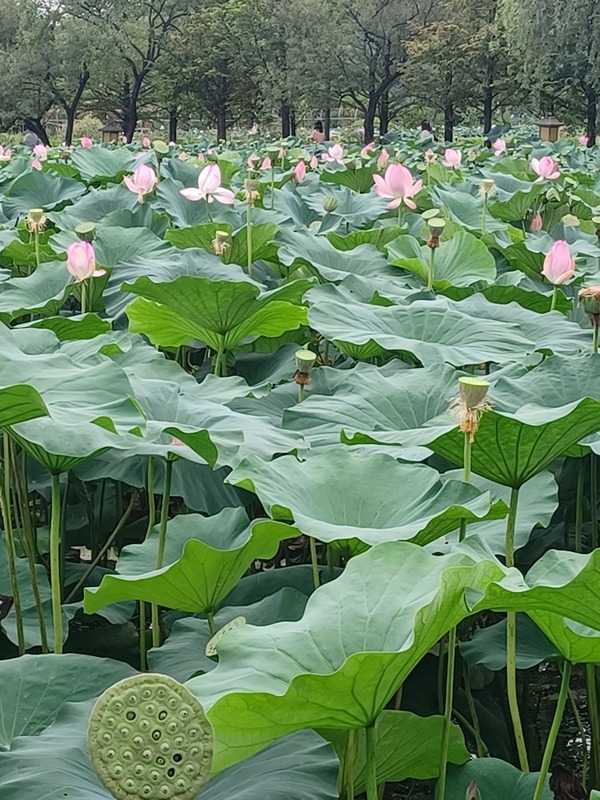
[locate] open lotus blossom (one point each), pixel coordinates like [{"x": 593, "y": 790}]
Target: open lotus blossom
[
  {"x": 583, "y": 139},
  {"x": 314, "y": 162},
  {"x": 430, "y": 156},
  {"x": 143, "y": 182},
  {"x": 86, "y": 142},
  {"x": 559, "y": 264},
  {"x": 209, "y": 187},
  {"x": 36, "y": 164},
  {"x": 545, "y": 167},
  {"x": 266, "y": 163},
  {"x": 81, "y": 261},
  {"x": 146, "y": 142},
  {"x": 40, "y": 151},
  {"x": 397, "y": 184},
  {"x": 452, "y": 158},
  {"x": 299, "y": 172},
  {"x": 335, "y": 153},
  {"x": 536, "y": 222},
  {"x": 5, "y": 153},
  {"x": 499, "y": 147},
  {"x": 383, "y": 159},
  {"x": 368, "y": 148}
]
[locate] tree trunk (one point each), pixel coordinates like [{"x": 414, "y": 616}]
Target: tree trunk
[
  {"x": 130, "y": 105},
  {"x": 449, "y": 122},
  {"x": 37, "y": 126},
  {"x": 292, "y": 121},
  {"x": 71, "y": 109},
  {"x": 327, "y": 123},
  {"x": 285, "y": 112},
  {"x": 173, "y": 125},
  {"x": 370, "y": 119},
  {"x": 384, "y": 114},
  {"x": 71, "y": 113},
  {"x": 222, "y": 123},
  {"x": 591, "y": 117}
]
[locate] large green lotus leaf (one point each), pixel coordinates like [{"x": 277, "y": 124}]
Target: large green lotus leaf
[
  {"x": 321, "y": 257},
  {"x": 429, "y": 330},
  {"x": 495, "y": 779},
  {"x": 360, "y": 637},
  {"x": 383, "y": 405},
  {"x": 20, "y": 403},
  {"x": 72, "y": 329},
  {"x": 56, "y": 764},
  {"x": 43, "y": 292},
  {"x": 95, "y": 206},
  {"x": 406, "y": 746},
  {"x": 189, "y": 308},
  {"x": 359, "y": 180},
  {"x": 39, "y": 190},
  {"x": 33, "y": 689},
  {"x": 263, "y": 247},
  {"x": 378, "y": 237},
  {"x": 512, "y": 198},
  {"x": 465, "y": 209},
  {"x": 204, "y": 559},
  {"x": 199, "y": 236},
  {"x": 461, "y": 261},
  {"x": 186, "y": 214},
  {"x": 290, "y": 205},
  {"x": 339, "y": 494},
  {"x": 357, "y": 210},
  {"x": 577, "y": 643},
  {"x": 488, "y": 646},
  {"x": 100, "y": 163}
]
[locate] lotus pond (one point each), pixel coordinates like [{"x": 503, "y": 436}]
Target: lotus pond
[{"x": 299, "y": 472}]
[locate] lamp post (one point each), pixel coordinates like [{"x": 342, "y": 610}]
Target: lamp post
[{"x": 549, "y": 128}]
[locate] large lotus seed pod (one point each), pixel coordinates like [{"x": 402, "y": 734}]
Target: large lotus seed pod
[
  {"x": 149, "y": 739},
  {"x": 472, "y": 391}
]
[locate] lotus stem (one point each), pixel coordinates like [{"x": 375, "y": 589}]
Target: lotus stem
[
  {"x": 581, "y": 729},
  {"x": 440, "y": 789},
  {"x": 142, "y": 637},
  {"x": 272, "y": 187},
  {"x": 594, "y": 500},
  {"x": 300, "y": 392},
  {"x": 595, "y": 339},
  {"x": 348, "y": 766},
  {"x": 151, "y": 522},
  {"x": 11, "y": 553},
  {"x": 482, "y": 751},
  {"x": 594, "y": 717},
  {"x": 36, "y": 245},
  {"x": 220, "y": 366},
  {"x": 554, "y": 729},
  {"x": 55, "y": 581},
  {"x": 511, "y": 640},
  {"x": 579, "y": 507},
  {"x": 431, "y": 267},
  {"x": 554, "y": 298},
  {"x": 83, "y": 297},
  {"x": 162, "y": 539},
  {"x": 371, "y": 765},
  {"x": 313, "y": 560},
  {"x": 399, "y": 216},
  {"x": 484, "y": 214},
  {"x": 210, "y": 618},
  {"x": 249, "y": 236}
]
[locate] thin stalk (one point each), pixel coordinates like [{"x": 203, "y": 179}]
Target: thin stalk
[
  {"x": 484, "y": 214},
  {"x": 482, "y": 751},
  {"x": 300, "y": 392},
  {"x": 162, "y": 539},
  {"x": 36, "y": 244},
  {"x": 554, "y": 298},
  {"x": 554, "y": 729},
  {"x": 511, "y": 641},
  {"x": 210, "y": 618},
  {"x": 151, "y": 521},
  {"x": 142, "y": 636},
  {"x": 313, "y": 560},
  {"x": 272, "y": 188},
  {"x": 581, "y": 729},
  {"x": 348, "y": 768},
  {"x": 594, "y": 717},
  {"x": 220, "y": 366},
  {"x": 11, "y": 553},
  {"x": 105, "y": 547},
  {"x": 467, "y": 449},
  {"x": 440, "y": 788},
  {"x": 579, "y": 507},
  {"x": 595, "y": 339},
  {"x": 594, "y": 500},
  {"x": 431, "y": 269},
  {"x": 371, "y": 765},
  {"x": 83, "y": 297},
  {"x": 400, "y": 215},
  {"x": 249, "y": 237},
  {"x": 55, "y": 537}
]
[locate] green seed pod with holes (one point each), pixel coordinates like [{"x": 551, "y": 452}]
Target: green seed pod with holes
[{"x": 149, "y": 739}]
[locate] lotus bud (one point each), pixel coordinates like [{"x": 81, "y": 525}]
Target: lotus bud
[
  {"x": 35, "y": 220},
  {"x": 330, "y": 203},
  {"x": 251, "y": 190},
  {"x": 473, "y": 792},
  {"x": 589, "y": 297},
  {"x": 487, "y": 187},
  {"x": 305, "y": 360},
  {"x": 570, "y": 220},
  {"x": 86, "y": 231},
  {"x": 148, "y": 737},
  {"x": 470, "y": 404},
  {"x": 536, "y": 222},
  {"x": 221, "y": 242}
]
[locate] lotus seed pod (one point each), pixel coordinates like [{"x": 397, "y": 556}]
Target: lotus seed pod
[
  {"x": 570, "y": 220},
  {"x": 149, "y": 739},
  {"x": 305, "y": 360},
  {"x": 211, "y": 647},
  {"x": 436, "y": 226},
  {"x": 330, "y": 203},
  {"x": 589, "y": 297},
  {"x": 472, "y": 391},
  {"x": 221, "y": 242},
  {"x": 35, "y": 220},
  {"x": 487, "y": 184},
  {"x": 86, "y": 231},
  {"x": 431, "y": 213},
  {"x": 36, "y": 214}
]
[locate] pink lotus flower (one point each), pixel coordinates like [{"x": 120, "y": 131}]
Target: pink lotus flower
[
  {"x": 452, "y": 158},
  {"x": 536, "y": 222},
  {"x": 86, "y": 142},
  {"x": 172, "y": 144},
  {"x": 335, "y": 153},
  {"x": 583, "y": 140},
  {"x": 397, "y": 184},
  {"x": 36, "y": 164},
  {"x": 209, "y": 187},
  {"x": 5, "y": 153},
  {"x": 430, "y": 156},
  {"x": 545, "y": 167},
  {"x": 383, "y": 159},
  {"x": 314, "y": 162},
  {"x": 299, "y": 172},
  {"x": 146, "y": 142},
  {"x": 81, "y": 261},
  {"x": 367, "y": 149},
  {"x": 499, "y": 147},
  {"x": 40, "y": 151},
  {"x": 182, "y": 156},
  {"x": 559, "y": 265},
  {"x": 266, "y": 163},
  {"x": 200, "y": 158},
  {"x": 252, "y": 161},
  {"x": 143, "y": 182}
]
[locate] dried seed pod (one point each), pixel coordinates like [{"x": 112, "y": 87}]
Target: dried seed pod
[
  {"x": 149, "y": 739},
  {"x": 470, "y": 404},
  {"x": 221, "y": 242},
  {"x": 36, "y": 220}
]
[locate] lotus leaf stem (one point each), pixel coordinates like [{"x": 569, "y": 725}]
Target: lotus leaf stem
[
  {"x": 11, "y": 552},
  {"x": 482, "y": 751},
  {"x": 431, "y": 269},
  {"x": 36, "y": 245},
  {"x": 579, "y": 506},
  {"x": 594, "y": 717},
  {"x": 581, "y": 729},
  {"x": 484, "y": 214},
  {"x": 440, "y": 789},
  {"x": 371, "y": 765},
  {"x": 553, "y": 733},
  {"x": 594, "y": 501},
  {"x": 595, "y": 339},
  {"x": 348, "y": 766},
  {"x": 300, "y": 392},
  {"x": 313, "y": 560},
  {"x": 249, "y": 237},
  {"x": 55, "y": 537},
  {"x": 272, "y": 187},
  {"x": 162, "y": 540}
]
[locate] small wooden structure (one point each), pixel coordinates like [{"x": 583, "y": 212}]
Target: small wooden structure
[
  {"x": 549, "y": 128},
  {"x": 111, "y": 132}
]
